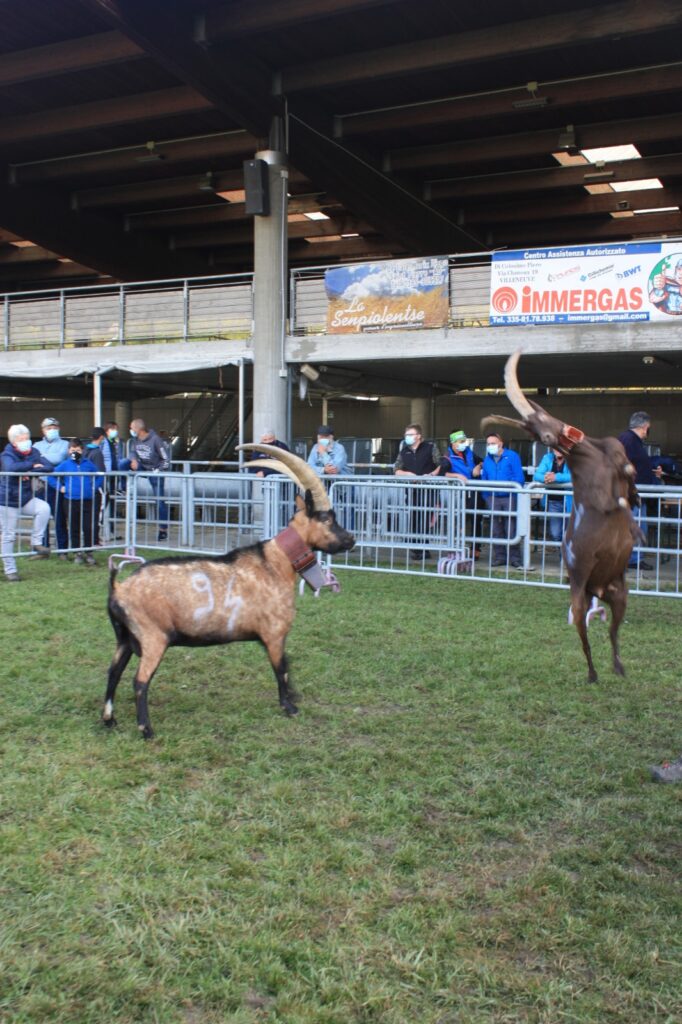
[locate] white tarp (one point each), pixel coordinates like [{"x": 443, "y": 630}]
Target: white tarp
[{"x": 51, "y": 365}]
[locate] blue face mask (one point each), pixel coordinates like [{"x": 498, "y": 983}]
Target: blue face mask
[
  {"x": 112, "y": 435},
  {"x": 493, "y": 449},
  {"x": 133, "y": 433},
  {"x": 24, "y": 446},
  {"x": 410, "y": 439},
  {"x": 461, "y": 446},
  {"x": 52, "y": 434},
  {"x": 324, "y": 441}
]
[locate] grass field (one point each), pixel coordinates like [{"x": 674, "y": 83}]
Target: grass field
[{"x": 456, "y": 829}]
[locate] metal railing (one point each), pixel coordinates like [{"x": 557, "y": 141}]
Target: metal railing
[
  {"x": 197, "y": 309},
  {"x": 501, "y": 533}
]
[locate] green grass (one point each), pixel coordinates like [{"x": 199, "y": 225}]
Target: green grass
[{"x": 456, "y": 829}]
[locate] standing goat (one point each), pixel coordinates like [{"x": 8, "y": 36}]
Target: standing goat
[
  {"x": 247, "y": 594},
  {"x": 601, "y": 530}
]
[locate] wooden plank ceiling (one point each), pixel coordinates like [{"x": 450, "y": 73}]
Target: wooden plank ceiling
[{"x": 414, "y": 126}]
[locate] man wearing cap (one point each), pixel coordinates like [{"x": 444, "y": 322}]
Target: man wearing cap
[
  {"x": 328, "y": 457},
  {"x": 54, "y": 449},
  {"x": 459, "y": 460}
]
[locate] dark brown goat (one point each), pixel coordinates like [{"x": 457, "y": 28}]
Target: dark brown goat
[
  {"x": 601, "y": 530},
  {"x": 247, "y": 594}
]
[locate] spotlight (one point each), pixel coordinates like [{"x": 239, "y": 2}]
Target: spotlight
[{"x": 309, "y": 371}]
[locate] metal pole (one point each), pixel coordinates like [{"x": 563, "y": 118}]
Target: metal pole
[
  {"x": 185, "y": 310},
  {"x": 97, "y": 397},
  {"x": 62, "y": 319},
  {"x": 121, "y": 316},
  {"x": 240, "y": 414},
  {"x": 6, "y": 324}
]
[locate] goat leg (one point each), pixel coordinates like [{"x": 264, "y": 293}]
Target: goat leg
[
  {"x": 280, "y": 667},
  {"x": 616, "y": 598},
  {"x": 149, "y": 662},
  {"x": 579, "y": 609},
  {"x": 122, "y": 656}
]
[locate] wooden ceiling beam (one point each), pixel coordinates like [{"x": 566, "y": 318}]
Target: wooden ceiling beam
[
  {"x": 46, "y": 217},
  {"x": 248, "y": 18},
  {"x": 642, "y": 226},
  {"x": 71, "y": 55},
  {"x": 240, "y": 86},
  {"x": 584, "y": 205},
  {"x": 239, "y": 234},
  {"x": 549, "y": 178},
  {"x": 166, "y": 155},
  {"x": 525, "y": 36},
  {"x": 234, "y": 82},
  {"x": 102, "y": 114},
  {"x": 558, "y": 95},
  {"x": 543, "y": 143},
  {"x": 10, "y": 255},
  {"x": 220, "y": 213},
  {"x": 53, "y": 272}
]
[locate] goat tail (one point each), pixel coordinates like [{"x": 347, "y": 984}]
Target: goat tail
[{"x": 113, "y": 573}]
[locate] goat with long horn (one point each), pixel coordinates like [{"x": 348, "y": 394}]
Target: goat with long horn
[
  {"x": 601, "y": 530},
  {"x": 247, "y": 594}
]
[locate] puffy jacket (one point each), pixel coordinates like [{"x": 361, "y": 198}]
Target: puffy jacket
[
  {"x": 14, "y": 490},
  {"x": 72, "y": 476},
  {"x": 506, "y": 467},
  {"x": 458, "y": 462}
]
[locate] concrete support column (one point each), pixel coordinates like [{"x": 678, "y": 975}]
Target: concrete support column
[
  {"x": 270, "y": 303},
  {"x": 420, "y": 412},
  {"x": 123, "y": 414}
]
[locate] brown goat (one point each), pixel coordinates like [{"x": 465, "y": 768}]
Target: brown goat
[
  {"x": 247, "y": 594},
  {"x": 601, "y": 530}
]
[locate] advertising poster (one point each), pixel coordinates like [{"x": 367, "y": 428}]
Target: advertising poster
[
  {"x": 400, "y": 294},
  {"x": 587, "y": 284}
]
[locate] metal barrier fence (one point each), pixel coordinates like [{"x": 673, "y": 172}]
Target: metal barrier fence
[
  {"x": 196, "y": 309},
  {"x": 419, "y": 526}
]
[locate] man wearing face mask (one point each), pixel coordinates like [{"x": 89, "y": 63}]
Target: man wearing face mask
[
  {"x": 645, "y": 475},
  {"x": 148, "y": 455},
  {"x": 54, "y": 449},
  {"x": 458, "y": 463},
  {"x": 418, "y": 457},
  {"x": 501, "y": 463},
  {"x": 16, "y": 497},
  {"x": 328, "y": 458}
]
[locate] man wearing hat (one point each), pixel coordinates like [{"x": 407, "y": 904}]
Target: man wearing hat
[
  {"x": 328, "y": 457},
  {"x": 54, "y": 449},
  {"x": 459, "y": 460}
]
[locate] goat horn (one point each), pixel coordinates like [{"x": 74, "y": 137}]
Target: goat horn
[
  {"x": 489, "y": 420},
  {"x": 304, "y": 475},
  {"x": 511, "y": 386}
]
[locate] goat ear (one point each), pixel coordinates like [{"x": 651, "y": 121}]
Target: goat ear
[
  {"x": 309, "y": 504},
  {"x": 300, "y": 504}
]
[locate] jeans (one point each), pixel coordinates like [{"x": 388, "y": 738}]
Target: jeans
[
  {"x": 502, "y": 526},
  {"x": 9, "y": 516},
  {"x": 157, "y": 485},
  {"x": 555, "y": 520},
  {"x": 56, "y": 502}
]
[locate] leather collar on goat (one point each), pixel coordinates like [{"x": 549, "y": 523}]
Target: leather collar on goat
[
  {"x": 570, "y": 437},
  {"x": 302, "y": 558}
]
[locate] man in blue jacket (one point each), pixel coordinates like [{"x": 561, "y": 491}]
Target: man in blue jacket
[
  {"x": 16, "y": 496},
  {"x": 500, "y": 464},
  {"x": 553, "y": 471}
]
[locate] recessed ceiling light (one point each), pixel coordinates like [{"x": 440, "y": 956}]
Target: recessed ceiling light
[
  {"x": 625, "y": 152},
  {"x": 637, "y": 185},
  {"x": 659, "y": 209},
  {"x": 316, "y": 215}
]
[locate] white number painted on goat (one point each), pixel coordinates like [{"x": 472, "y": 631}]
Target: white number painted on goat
[
  {"x": 202, "y": 584},
  {"x": 232, "y": 605}
]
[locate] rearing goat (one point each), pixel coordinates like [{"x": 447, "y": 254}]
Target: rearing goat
[
  {"x": 601, "y": 530},
  {"x": 247, "y": 594}
]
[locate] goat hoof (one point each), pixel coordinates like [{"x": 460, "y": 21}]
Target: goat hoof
[
  {"x": 147, "y": 732},
  {"x": 592, "y": 678},
  {"x": 618, "y": 669},
  {"x": 109, "y": 723},
  {"x": 290, "y": 709}
]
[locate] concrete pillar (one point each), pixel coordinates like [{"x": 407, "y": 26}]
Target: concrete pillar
[
  {"x": 123, "y": 414},
  {"x": 269, "y": 303},
  {"x": 420, "y": 412}
]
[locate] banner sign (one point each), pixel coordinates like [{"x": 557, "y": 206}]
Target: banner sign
[
  {"x": 587, "y": 284},
  {"x": 387, "y": 296}
]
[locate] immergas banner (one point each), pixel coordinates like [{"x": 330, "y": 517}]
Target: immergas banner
[
  {"x": 587, "y": 284},
  {"x": 387, "y": 296}
]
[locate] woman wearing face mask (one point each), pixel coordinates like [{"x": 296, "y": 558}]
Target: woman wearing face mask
[
  {"x": 501, "y": 463},
  {"x": 328, "y": 457},
  {"x": 16, "y": 496},
  {"x": 418, "y": 457}
]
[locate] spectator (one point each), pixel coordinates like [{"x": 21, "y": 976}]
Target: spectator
[
  {"x": 328, "y": 457},
  {"x": 645, "y": 475},
  {"x": 458, "y": 462},
  {"x": 54, "y": 449},
  {"x": 501, "y": 464},
  {"x": 76, "y": 482},
  {"x": 418, "y": 457},
  {"x": 553, "y": 471},
  {"x": 148, "y": 455},
  {"x": 98, "y": 452},
  {"x": 267, "y": 437},
  {"x": 16, "y": 497}
]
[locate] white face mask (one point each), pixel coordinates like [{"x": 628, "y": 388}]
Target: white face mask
[
  {"x": 112, "y": 434},
  {"x": 461, "y": 446},
  {"x": 493, "y": 449}
]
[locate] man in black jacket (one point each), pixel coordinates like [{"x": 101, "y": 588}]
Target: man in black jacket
[
  {"x": 418, "y": 457},
  {"x": 633, "y": 441}
]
